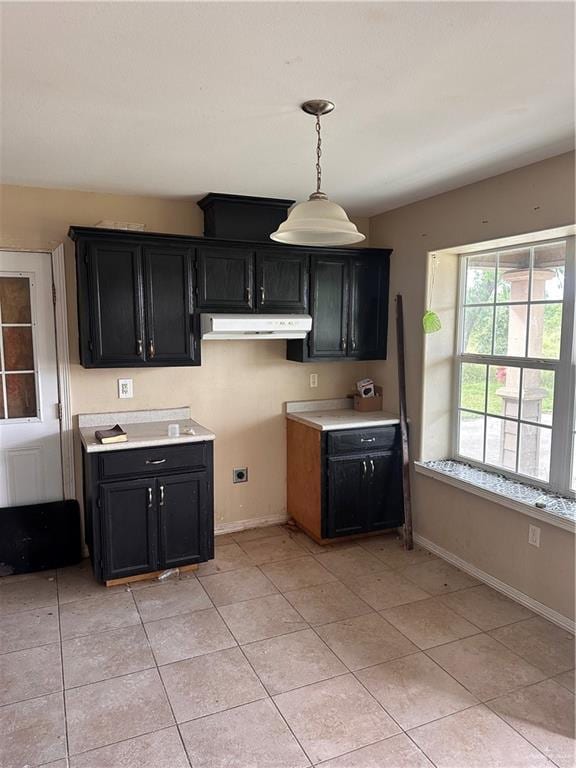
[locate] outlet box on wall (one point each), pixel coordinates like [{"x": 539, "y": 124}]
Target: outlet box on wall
[
  {"x": 125, "y": 388},
  {"x": 534, "y": 535}
]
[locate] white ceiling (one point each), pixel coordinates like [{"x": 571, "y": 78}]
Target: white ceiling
[{"x": 179, "y": 99}]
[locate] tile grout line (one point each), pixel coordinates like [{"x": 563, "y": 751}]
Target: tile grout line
[
  {"x": 64, "y": 703},
  {"x": 157, "y": 667}
]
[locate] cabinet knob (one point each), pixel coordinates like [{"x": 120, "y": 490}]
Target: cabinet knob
[
  {"x": 139, "y": 347},
  {"x": 151, "y": 350}
]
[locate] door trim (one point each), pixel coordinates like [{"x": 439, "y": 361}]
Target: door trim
[{"x": 64, "y": 379}]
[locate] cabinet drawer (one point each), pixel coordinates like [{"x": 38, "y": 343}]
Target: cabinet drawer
[
  {"x": 363, "y": 440},
  {"x": 152, "y": 461}
]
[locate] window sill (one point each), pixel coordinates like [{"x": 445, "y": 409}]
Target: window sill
[{"x": 561, "y": 512}]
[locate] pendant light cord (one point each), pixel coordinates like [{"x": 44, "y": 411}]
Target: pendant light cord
[{"x": 318, "y": 155}]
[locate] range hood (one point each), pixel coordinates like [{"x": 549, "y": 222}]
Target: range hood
[{"x": 227, "y": 327}]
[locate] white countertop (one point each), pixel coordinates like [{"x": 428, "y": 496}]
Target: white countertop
[
  {"x": 336, "y": 414},
  {"x": 145, "y": 429}
]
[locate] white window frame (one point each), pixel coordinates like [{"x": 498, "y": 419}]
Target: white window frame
[{"x": 563, "y": 420}]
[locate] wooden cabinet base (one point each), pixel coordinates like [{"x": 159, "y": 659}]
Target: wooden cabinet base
[
  {"x": 146, "y": 576},
  {"x": 342, "y": 539}
]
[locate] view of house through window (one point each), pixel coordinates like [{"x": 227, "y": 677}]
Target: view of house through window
[{"x": 511, "y": 358}]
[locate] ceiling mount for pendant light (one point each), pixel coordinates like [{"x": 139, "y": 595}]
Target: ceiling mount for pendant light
[{"x": 318, "y": 221}]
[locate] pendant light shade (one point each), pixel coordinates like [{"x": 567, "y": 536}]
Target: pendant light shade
[{"x": 318, "y": 221}]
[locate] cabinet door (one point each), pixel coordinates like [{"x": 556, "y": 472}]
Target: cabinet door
[
  {"x": 184, "y": 521},
  {"x": 168, "y": 289},
  {"x": 345, "y": 513},
  {"x": 382, "y": 490},
  {"x": 282, "y": 281},
  {"x": 225, "y": 280},
  {"x": 368, "y": 308},
  {"x": 329, "y": 283},
  {"x": 115, "y": 286},
  {"x": 129, "y": 540}
]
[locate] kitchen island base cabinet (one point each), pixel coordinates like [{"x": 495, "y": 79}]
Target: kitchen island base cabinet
[
  {"x": 142, "y": 525},
  {"x": 344, "y": 483}
]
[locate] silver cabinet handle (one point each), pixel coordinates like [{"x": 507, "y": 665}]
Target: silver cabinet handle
[
  {"x": 248, "y": 296},
  {"x": 364, "y": 469},
  {"x": 151, "y": 349},
  {"x": 343, "y": 344},
  {"x": 155, "y": 461},
  {"x": 161, "y": 495},
  {"x": 149, "y": 498},
  {"x": 139, "y": 347},
  {"x": 372, "y": 466},
  {"x": 262, "y": 294},
  {"x": 367, "y": 439}
]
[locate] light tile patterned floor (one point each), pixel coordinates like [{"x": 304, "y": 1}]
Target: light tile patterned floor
[{"x": 282, "y": 654}]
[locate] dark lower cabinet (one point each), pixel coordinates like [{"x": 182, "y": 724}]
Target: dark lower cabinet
[
  {"x": 344, "y": 482},
  {"x": 129, "y": 536},
  {"x": 160, "y": 520},
  {"x": 182, "y": 505}
]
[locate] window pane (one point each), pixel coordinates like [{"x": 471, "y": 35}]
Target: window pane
[
  {"x": 548, "y": 272},
  {"x": 480, "y": 279},
  {"x": 21, "y": 395},
  {"x": 510, "y": 330},
  {"x": 15, "y": 300},
  {"x": 477, "y": 337},
  {"x": 573, "y": 486},
  {"x": 18, "y": 351},
  {"x": 513, "y": 275},
  {"x": 501, "y": 441},
  {"x": 545, "y": 330},
  {"x": 534, "y": 457},
  {"x": 471, "y": 436},
  {"x": 537, "y": 396},
  {"x": 503, "y": 390},
  {"x": 473, "y": 386}
]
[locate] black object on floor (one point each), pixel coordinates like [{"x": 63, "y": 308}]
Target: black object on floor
[{"x": 36, "y": 537}]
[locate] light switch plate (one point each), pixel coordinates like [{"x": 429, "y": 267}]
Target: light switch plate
[
  {"x": 125, "y": 388},
  {"x": 313, "y": 380}
]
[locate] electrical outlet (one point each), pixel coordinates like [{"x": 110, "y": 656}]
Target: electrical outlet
[
  {"x": 125, "y": 388},
  {"x": 313, "y": 380},
  {"x": 240, "y": 475},
  {"x": 534, "y": 535}
]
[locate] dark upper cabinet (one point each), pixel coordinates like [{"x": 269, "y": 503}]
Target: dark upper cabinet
[
  {"x": 368, "y": 323},
  {"x": 349, "y": 308},
  {"x": 329, "y": 287},
  {"x": 113, "y": 298},
  {"x": 135, "y": 304},
  {"x": 184, "y": 519},
  {"x": 225, "y": 280},
  {"x": 168, "y": 303},
  {"x": 129, "y": 535},
  {"x": 282, "y": 281}
]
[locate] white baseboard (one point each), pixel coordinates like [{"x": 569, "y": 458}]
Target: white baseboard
[
  {"x": 499, "y": 586},
  {"x": 253, "y": 522}
]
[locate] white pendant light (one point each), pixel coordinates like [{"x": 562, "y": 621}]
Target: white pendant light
[{"x": 318, "y": 221}]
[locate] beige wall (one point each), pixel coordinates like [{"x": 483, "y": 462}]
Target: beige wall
[
  {"x": 238, "y": 391},
  {"x": 491, "y": 537}
]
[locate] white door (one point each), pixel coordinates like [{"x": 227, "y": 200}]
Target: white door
[{"x": 30, "y": 448}]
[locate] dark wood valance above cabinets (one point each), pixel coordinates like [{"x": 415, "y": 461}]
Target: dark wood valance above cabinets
[{"x": 140, "y": 295}]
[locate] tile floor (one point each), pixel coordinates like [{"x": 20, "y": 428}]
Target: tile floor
[{"x": 282, "y": 654}]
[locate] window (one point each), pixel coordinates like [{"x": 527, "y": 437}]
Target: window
[
  {"x": 17, "y": 364},
  {"x": 515, "y": 363}
]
